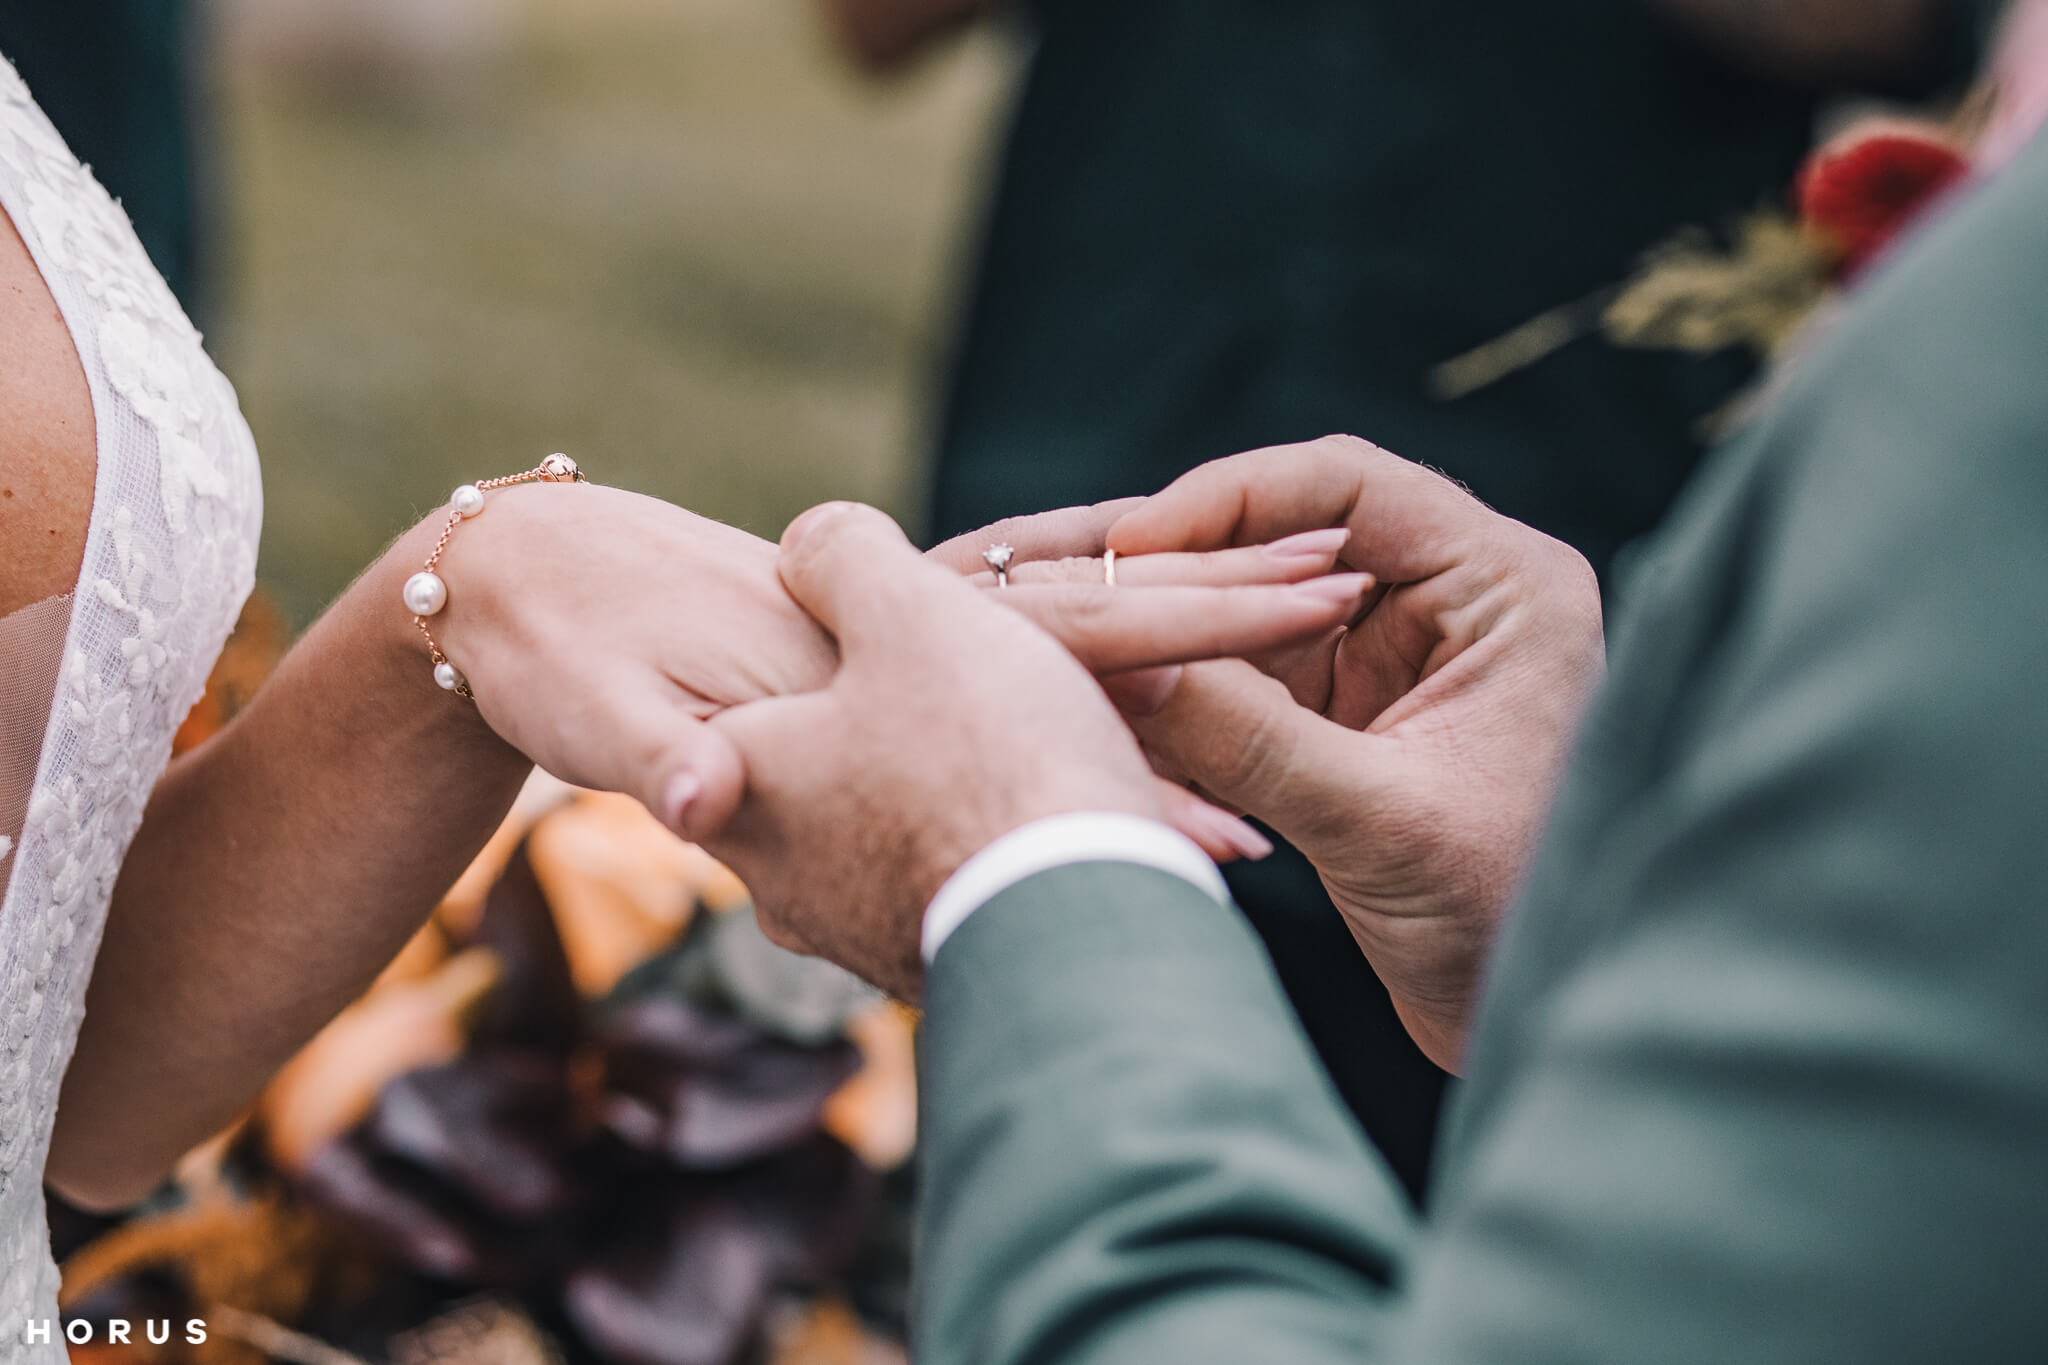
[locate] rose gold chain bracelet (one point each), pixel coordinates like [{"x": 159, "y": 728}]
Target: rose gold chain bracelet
[{"x": 426, "y": 592}]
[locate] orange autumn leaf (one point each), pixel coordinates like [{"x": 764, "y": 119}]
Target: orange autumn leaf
[
  {"x": 875, "y": 1112},
  {"x": 335, "y": 1079},
  {"x": 622, "y": 886},
  {"x": 260, "y": 639}
]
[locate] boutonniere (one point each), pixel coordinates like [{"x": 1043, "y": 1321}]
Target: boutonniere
[{"x": 1757, "y": 287}]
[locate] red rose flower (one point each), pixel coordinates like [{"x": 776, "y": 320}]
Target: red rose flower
[{"x": 1859, "y": 194}]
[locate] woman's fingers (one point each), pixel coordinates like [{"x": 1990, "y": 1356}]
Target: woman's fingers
[
  {"x": 1070, "y": 532},
  {"x": 696, "y": 778},
  {"x": 643, "y": 737},
  {"x": 1216, "y": 832},
  {"x": 1291, "y": 560},
  {"x": 1113, "y": 630}
]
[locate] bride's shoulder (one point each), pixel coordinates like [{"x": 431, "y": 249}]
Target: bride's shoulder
[
  {"x": 112, "y": 338},
  {"x": 47, "y": 440}
]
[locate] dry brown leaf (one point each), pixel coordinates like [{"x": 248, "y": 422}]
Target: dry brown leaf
[
  {"x": 621, "y": 885},
  {"x": 828, "y": 1332},
  {"x": 875, "y": 1112},
  {"x": 335, "y": 1079},
  {"x": 263, "y": 1256},
  {"x": 463, "y": 906},
  {"x": 261, "y": 637},
  {"x": 1692, "y": 295}
]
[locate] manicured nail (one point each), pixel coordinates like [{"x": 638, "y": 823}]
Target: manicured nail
[
  {"x": 683, "y": 790},
  {"x": 1335, "y": 588},
  {"x": 1310, "y": 544},
  {"x": 1145, "y": 692},
  {"x": 1233, "y": 833}
]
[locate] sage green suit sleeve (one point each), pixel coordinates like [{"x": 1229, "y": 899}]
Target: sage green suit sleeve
[
  {"x": 1130, "y": 1151},
  {"x": 1762, "y": 1074}
]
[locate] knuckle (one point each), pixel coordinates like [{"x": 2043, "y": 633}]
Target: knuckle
[
  {"x": 813, "y": 523},
  {"x": 825, "y": 529},
  {"x": 1569, "y": 578},
  {"x": 1345, "y": 444}
]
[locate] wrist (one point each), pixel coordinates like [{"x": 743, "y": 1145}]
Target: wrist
[
  {"x": 1059, "y": 841},
  {"x": 402, "y": 653},
  {"x": 485, "y": 570},
  {"x": 953, "y": 845}
]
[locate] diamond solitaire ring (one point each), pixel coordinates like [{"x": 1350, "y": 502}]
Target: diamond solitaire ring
[{"x": 998, "y": 558}]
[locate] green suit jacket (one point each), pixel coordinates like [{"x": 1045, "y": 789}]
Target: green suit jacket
[{"x": 1762, "y": 1072}]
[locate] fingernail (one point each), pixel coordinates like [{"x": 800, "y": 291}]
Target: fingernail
[
  {"x": 1335, "y": 588},
  {"x": 1233, "y": 833},
  {"x": 1310, "y": 544},
  {"x": 1144, "y": 692},
  {"x": 683, "y": 790}
]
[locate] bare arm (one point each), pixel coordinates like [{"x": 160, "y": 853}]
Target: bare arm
[
  {"x": 881, "y": 34},
  {"x": 278, "y": 868}
]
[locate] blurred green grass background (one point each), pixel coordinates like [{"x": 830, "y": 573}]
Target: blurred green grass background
[{"x": 672, "y": 237}]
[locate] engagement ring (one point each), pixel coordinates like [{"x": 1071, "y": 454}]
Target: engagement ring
[{"x": 998, "y": 558}]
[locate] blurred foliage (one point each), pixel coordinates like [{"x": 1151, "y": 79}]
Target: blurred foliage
[
  {"x": 588, "y": 1114},
  {"x": 674, "y": 237}
]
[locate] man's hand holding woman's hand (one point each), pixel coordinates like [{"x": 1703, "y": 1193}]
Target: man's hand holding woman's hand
[
  {"x": 1407, "y": 741},
  {"x": 601, "y": 630},
  {"x": 951, "y": 721}
]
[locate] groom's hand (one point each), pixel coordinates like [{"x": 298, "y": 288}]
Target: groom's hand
[
  {"x": 950, "y": 722},
  {"x": 1412, "y": 755}
]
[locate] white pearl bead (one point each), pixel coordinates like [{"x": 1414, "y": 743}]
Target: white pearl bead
[
  {"x": 425, "y": 593},
  {"x": 468, "y": 500},
  {"x": 447, "y": 676}
]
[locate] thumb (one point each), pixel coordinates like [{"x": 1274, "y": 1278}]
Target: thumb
[
  {"x": 1242, "y": 738},
  {"x": 770, "y": 747},
  {"x": 694, "y": 776},
  {"x": 639, "y": 737},
  {"x": 852, "y": 568}
]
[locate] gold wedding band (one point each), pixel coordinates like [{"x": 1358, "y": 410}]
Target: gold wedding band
[{"x": 1109, "y": 567}]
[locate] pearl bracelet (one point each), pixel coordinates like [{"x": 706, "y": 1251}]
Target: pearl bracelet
[{"x": 426, "y": 592}]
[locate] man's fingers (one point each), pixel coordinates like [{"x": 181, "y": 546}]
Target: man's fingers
[
  {"x": 1406, "y": 521},
  {"x": 1111, "y": 630},
  {"x": 1069, "y": 533},
  {"x": 853, "y": 569},
  {"x": 1240, "y": 737}
]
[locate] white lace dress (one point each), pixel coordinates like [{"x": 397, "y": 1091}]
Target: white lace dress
[{"x": 169, "y": 557}]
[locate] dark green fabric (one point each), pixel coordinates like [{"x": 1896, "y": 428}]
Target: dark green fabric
[
  {"x": 1227, "y": 223},
  {"x": 1393, "y": 1091},
  {"x": 1222, "y": 224},
  {"x": 1762, "y": 1070},
  {"x": 114, "y": 76}
]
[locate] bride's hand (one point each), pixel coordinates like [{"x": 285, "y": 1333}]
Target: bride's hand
[{"x": 599, "y": 629}]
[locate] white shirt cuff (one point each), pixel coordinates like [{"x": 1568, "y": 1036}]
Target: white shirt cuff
[{"x": 1081, "y": 837}]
